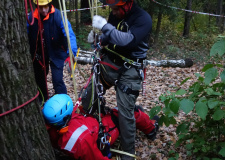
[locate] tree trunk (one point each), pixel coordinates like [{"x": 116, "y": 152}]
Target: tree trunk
[
  {"x": 158, "y": 26},
  {"x": 77, "y": 18},
  {"x": 56, "y": 3},
  {"x": 85, "y": 15},
  {"x": 22, "y": 133},
  {"x": 219, "y": 11},
  {"x": 187, "y": 19}
]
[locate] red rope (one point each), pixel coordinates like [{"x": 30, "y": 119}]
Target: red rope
[
  {"x": 31, "y": 8},
  {"x": 12, "y": 110},
  {"x": 107, "y": 64},
  {"x": 42, "y": 47}
]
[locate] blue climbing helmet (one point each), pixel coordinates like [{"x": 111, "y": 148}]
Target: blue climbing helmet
[{"x": 57, "y": 109}]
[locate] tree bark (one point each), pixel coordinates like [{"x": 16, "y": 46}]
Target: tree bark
[
  {"x": 22, "y": 133},
  {"x": 158, "y": 26},
  {"x": 187, "y": 19},
  {"x": 219, "y": 11},
  {"x": 85, "y": 15}
]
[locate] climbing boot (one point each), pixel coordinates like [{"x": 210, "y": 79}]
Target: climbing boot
[{"x": 152, "y": 134}]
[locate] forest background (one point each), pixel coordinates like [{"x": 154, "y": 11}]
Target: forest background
[{"x": 176, "y": 34}]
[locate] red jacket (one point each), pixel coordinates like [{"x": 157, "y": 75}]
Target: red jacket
[{"x": 80, "y": 141}]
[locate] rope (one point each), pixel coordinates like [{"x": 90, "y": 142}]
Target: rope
[
  {"x": 210, "y": 14},
  {"x": 83, "y": 9},
  {"x": 42, "y": 48},
  {"x": 122, "y": 152},
  {"x": 26, "y": 12},
  {"x": 74, "y": 67},
  {"x": 65, "y": 24},
  {"x": 12, "y": 110}
]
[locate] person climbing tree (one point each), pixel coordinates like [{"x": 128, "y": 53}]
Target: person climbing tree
[
  {"x": 126, "y": 36},
  {"x": 48, "y": 46},
  {"x": 78, "y": 135}
]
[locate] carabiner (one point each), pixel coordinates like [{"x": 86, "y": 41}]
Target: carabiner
[{"x": 127, "y": 67}]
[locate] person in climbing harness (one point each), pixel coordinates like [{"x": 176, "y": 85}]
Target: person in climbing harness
[
  {"x": 78, "y": 136},
  {"x": 125, "y": 44},
  {"x": 48, "y": 46}
]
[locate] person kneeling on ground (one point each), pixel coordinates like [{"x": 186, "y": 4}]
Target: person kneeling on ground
[{"x": 78, "y": 135}]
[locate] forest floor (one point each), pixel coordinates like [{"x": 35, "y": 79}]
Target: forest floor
[{"x": 159, "y": 80}]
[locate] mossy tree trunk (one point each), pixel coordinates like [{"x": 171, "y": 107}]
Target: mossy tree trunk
[{"x": 22, "y": 133}]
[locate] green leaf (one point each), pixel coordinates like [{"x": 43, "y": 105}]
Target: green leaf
[
  {"x": 210, "y": 74},
  {"x": 201, "y": 109},
  {"x": 174, "y": 105},
  {"x": 212, "y": 103},
  {"x": 182, "y": 128},
  {"x": 196, "y": 87},
  {"x": 184, "y": 80},
  {"x": 172, "y": 158},
  {"x": 189, "y": 146},
  {"x": 206, "y": 67},
  {"x": 197, "y": 75},
  {"x": 180, "y": 92},
  {"x": 186, "y": 105},
  {"x": 218, "y": 48},
  {"x": 222, "y": 152},
  {"x": 154, "y": 111},
  {"x": 210, "y": 91},
  {"x": 218, "y": 115},
  {"x": 219, "y": 65},
  {"x": 162, "y": 98},
  {"x": 222, "y": 76}
]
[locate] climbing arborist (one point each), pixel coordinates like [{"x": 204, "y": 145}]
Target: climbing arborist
[
  {"x": 48, "y": 46},
  {"x": 78, "y": 135},
  {"x": 125, "y": 40}
]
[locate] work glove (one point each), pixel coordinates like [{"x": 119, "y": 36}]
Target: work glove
[
  {"x": 90, "y": 38},
  {"x": 98, "y": 22}
]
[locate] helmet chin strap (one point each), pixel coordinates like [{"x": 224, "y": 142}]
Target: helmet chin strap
[{"x": 65, "y": 127}]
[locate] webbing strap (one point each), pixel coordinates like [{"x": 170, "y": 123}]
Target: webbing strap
[
  {"x": 127, "y": 90},
  {"x": 122, "y": 57},
  {"x": 107, "y": 64}
]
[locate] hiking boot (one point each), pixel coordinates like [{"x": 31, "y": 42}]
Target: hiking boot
[{"x": 152, "y": 134}]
